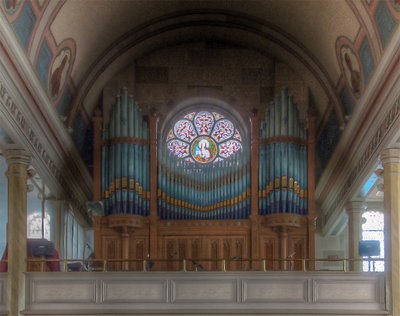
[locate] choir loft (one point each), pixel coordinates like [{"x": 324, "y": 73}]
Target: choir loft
[{"x": 199, "y": 157}]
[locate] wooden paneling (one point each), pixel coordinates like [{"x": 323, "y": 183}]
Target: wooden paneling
[
  {"x": 111, "y": 248},
  {"x": 203, "y": 244}
]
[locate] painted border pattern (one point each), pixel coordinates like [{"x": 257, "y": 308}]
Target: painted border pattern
[
  {"x": 20, "y": 120},
  {"x": 376, "y": 140}
]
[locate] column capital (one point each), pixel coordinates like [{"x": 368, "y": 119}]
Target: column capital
[
  {"x": 390, "y": 155},
  {"x": 17, "y": 156},
  {"x": 354, "y": 207},
  {"x": 374, "y": 206}
]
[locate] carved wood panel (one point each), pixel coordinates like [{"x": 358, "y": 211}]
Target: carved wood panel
[
  {"x": 177, "y": 248},
  {"x": 137, "y": 250},
  {"x": 297, "y": 247},
  {"x": 111, "y": 248},
  {"x": 270, "y": 251},
  {"x": 202, "y": 245}
]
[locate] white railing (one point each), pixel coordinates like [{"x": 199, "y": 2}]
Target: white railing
[{"x": 212, "y": 293}]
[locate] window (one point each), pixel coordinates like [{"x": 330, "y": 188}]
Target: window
[
  {"x": 35, "y": 225},
  {"x": 204, "y": 137},
  {"x": 373, "y": 229},
  {"x": 74, "y": 239}
]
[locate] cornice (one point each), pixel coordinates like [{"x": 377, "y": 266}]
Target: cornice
[
  {"x": 373, "y": 127},
  {"x": 32, "y": 122}
]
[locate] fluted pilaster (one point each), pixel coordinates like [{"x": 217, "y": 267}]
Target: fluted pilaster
[
  {"x": 354, "y": 211},
  {"x": 390, "y": 158},
  {"x": 17, "y": 174}
]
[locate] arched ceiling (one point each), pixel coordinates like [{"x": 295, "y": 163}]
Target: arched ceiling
[
  {"x": 109, "y": 34},
  {"x": 73, "y": 48},
  {"x": 95, "y": 25},
  {"x": 103, "y": 36}
]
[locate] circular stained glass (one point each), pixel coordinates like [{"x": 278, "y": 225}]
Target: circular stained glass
[
  {"x": 204, "y": 137},
  {"x": 204, "y": 149}
]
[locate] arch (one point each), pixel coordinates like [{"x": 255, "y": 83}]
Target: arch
[
  {"x": 184, "y": 26},
  {"x": 192, "y": 104}
]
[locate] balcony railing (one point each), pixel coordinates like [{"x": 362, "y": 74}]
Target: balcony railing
[{"x": 188, "y": 265}]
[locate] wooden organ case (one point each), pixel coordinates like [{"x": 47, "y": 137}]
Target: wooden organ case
[{"x": 250, "y": 202}]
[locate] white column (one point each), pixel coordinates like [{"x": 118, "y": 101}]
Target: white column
[
  {"x": 391, "y": 164},
  {"x": 18, "y": 162},
  {"x": 354, "y": 211}
]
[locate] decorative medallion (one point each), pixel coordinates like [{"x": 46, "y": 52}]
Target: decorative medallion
[{"x": 204, "y": 149}]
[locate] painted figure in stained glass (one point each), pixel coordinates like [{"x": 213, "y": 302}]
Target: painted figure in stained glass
[
  {"x": 204, "y": 150},
  {"x": 197, "y": 135}
]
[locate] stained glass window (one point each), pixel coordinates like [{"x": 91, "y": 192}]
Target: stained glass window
[
  {"x": 35, "y": 225},
  {"x": 204, "y": 137},
  {"x": 373, "y": 229}
]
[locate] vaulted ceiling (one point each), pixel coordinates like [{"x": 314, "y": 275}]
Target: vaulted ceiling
[{"x": 66, "y": 51}]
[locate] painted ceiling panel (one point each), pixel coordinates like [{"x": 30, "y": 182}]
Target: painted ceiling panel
[
  {"x": 315, "y": 24},
  {"x": 97, "y": 23}
]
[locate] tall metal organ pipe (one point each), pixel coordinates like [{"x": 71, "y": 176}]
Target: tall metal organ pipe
[
  {"x": 282, "y": 159},
  {"x": 125, "y": 159},
  {"x": 220, "y": 190}
]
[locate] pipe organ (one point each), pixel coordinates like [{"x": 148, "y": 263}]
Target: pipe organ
[
  {"x": 203, "y": 173},
  {"x": 282, "y": 160},
  {"x": 217, "y": 191},
  {"x": 194, "y": 196},
  {"x": 125, "y": 160}
]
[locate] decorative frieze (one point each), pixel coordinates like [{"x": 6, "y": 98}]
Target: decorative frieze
[
  {"x": 369, "y": 153},
  {"x": 19, "y": 119}
]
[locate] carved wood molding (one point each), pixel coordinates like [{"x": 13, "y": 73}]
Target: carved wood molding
[
  {"x": 205, "y": 223},
  {"x": 284, "y": 220},
  {"x": 125, "y": 220}
]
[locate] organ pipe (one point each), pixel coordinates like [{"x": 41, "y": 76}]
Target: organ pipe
[
  {"x": 125, "y": 159},
  {"x": 282, "y": 159},
  {"x": 214, "y": 191}
]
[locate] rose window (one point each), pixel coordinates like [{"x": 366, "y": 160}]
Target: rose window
[{"x": 204, "y": 137}]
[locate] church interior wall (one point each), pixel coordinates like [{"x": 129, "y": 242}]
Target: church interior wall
[
  {"x": 242, "y": 78},
  {"x": 331, "y": 246},
  {"x": 167, "y": 80}
]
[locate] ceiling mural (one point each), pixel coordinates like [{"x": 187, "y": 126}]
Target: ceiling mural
[
  {"x": 72, "y": 50},
  {"x": 385, "y": 19}
]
